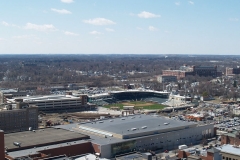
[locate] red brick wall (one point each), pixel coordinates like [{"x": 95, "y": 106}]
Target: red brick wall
[
  {"x": 230, "y": 140},
  {"x": 183, "y": 154},
  {"x": 96, "y": 148},
  {"x": 2, "y": 146},
  {"x": 209, "y": 156}
]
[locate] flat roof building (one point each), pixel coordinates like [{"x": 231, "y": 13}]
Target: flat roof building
[
  {"x": 46, "y": 142},
  {"x": 141, "y": 133},
  {"x": 229, "y": 152}
]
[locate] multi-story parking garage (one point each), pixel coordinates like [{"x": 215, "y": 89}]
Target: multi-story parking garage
[{"x": 52, "y": 103}]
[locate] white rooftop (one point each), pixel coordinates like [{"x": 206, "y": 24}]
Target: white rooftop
[{"x": 227, "y": 148}]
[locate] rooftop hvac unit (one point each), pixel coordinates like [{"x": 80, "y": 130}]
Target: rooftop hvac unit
[
  {"x": 123, "y": 118},
  {"x": 144, "y": 127},
  {"x": 133, "y": 129},
  {"x": 100, "y": 121},
  {"x": 166, "y": 123}
]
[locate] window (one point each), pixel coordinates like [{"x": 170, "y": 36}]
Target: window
[{"x": 223, "y": 157}]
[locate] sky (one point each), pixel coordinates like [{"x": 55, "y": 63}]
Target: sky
[{"x": 120, "y": 27}]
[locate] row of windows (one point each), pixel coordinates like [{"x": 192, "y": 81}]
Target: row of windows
[{"x": 227, "y": 158}]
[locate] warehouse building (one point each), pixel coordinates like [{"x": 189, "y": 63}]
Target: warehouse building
[{"x": 112, "y": 137}]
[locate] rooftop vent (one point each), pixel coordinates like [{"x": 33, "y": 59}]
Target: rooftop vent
[
  {"x": 100, "y": 121},
  {"x": 123, "y": 119},
  {"x": 133, "y": 129},
  {"x": 144, "y": 127},
  {"x": 166, "y": 123},
  {"x": 111, "y": 120},
  {"x": 132, "y": 117}
]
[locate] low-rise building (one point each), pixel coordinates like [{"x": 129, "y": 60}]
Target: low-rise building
[
  {"x": 165, "y": 79},
  {"x": 229, "y": 152},
  {"x": 232, "y": 138},
  {"x": 236, "y": 111},
  {"x": 10, "y": 93},
  {"x": 195, "y": 117}
]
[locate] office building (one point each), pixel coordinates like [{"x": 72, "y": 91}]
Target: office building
[{"x": 19, "y": 119}]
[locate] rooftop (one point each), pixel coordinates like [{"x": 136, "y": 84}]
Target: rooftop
[
  {"x": 44, "y": 98},
  {"x": 48, "y": 136},
  {"x": 227, "y": 148},
  {"x": 36, "y": 150},
  {"x": 132, "y": 125}
]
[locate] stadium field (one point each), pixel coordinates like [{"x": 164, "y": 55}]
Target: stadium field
[{"x": 137, "y": 105}]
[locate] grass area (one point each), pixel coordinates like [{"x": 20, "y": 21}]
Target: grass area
[{"x": 136, "y": 103}]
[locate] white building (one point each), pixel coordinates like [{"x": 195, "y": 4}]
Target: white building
[{"x": 165, "y": 78}]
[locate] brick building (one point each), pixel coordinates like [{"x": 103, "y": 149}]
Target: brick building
[
  {"x": 232, "y": 71},
  {"x": 19, "y": 119},
  {"x": 194, "y": 70},
  {"x": 232, "y": 138},
  {"x": 2, "y": 146}
]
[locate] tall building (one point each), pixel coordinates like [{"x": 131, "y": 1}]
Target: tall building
[{"x": 19, "y": 119}]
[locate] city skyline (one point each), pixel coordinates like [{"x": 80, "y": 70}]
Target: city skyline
[{"x": 120, "y": 27}]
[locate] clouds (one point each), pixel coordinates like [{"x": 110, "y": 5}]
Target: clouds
[
  {"x": 61, "y": 11},
  {"x": 9, "y": 25},
  {"x": 44, "y": 27},
  {"x": 95, "y": 33},
  {"x": 99, "y": 21},
  {"x": 67, "y": 33},
  {"x": 191, "y": 2},
  {"x": 234, "y": 19},
  {"x": 67, "y": 1},
  {"x": 145, "y": 14},
  {"x": 109, "y": 30},
  {"x": 151, "y": 28},
  {"x": 5, "y": 23},
  {"x": 177, "y": 3}
]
